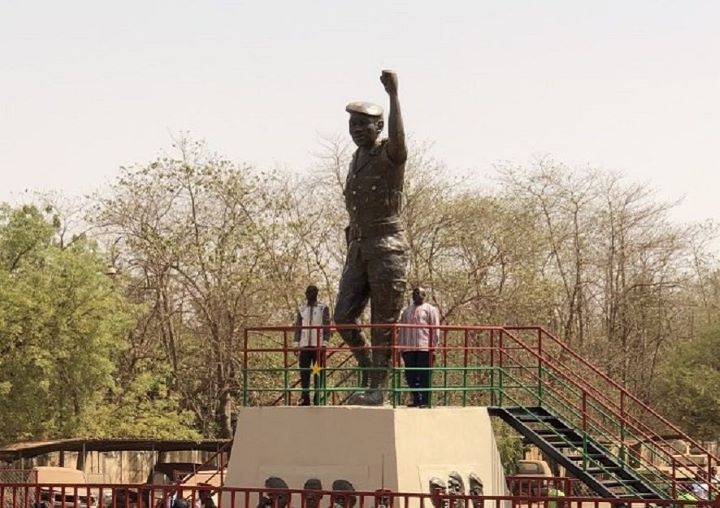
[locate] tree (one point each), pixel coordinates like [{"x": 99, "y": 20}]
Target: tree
[
  {"x": 688, "y": 384},
  {"x": 61, "y": 323},
  {"x": 625, "y": 269},
  {"x": 211, "y": 248}
]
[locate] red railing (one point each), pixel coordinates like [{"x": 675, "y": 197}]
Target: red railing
[
  {"x": 540, "y": 486},
  {"x": 268, "y": 358},
  {"x": 220, "y": 457},
  {"x": 158, "y": 496},
  {"x": 569, "y": 401},
  {"x": 637, "y": 423}
]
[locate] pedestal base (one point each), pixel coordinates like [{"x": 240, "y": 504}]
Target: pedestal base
[{"x": 373, "y": 447}]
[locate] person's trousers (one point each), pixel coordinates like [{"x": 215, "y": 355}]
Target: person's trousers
[
  {"x": 417, "y": 375},
  {"x": 375, "y": 270},
  {"x": 306, "y": 358}
]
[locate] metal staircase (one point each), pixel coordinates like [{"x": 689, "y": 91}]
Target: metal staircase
[{"x": 583, "y": 457}]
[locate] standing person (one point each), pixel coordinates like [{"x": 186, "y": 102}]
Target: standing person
[
  {"x": 377, "y": 248},
  {"x": 416, "y": 343},
  {"x": 311, "y": 342}
]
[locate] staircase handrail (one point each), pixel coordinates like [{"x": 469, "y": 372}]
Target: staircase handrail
[
  {"x": 597, "y": 425},
  {"x": 611, "y": 402},
  {"x": 544, "y": 361},
  {"x": 222, "y": 449},
  {"x": 615, "y": 384}
]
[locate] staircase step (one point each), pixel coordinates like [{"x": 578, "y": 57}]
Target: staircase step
[
  {"x": 590, "y": 456},
  {"x": 619, "y": 483},
  {"x": 535, "y": 418},
  {"x": 556, "y": 437},
  {"x": 564, "y": 444},
  {"x": 597, "y": 470},
  {"x": 553, "y": 432}
]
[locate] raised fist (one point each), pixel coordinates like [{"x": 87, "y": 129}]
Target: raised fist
[{"x": 390, "y": 81}]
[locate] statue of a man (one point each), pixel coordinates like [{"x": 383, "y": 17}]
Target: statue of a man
[
  {"x": 313, "y": 493},
  {"x": 342, "y": 494},
  {"x": 438, "y": 491},
  {"x": 275, "y": 499},
  {"x": 376, "y": 260},
  {"x": 476, "y": 489},
  {"x": 456, "y": 487}
]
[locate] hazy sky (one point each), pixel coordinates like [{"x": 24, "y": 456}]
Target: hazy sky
[{"x": 631, "y": 85}]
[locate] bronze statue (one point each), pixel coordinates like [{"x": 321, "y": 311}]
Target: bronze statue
[
  {"x": 456, "y": 487},
  {"x": 438, "y": 491},
  {"x": 341, "y": 500},
  {"x": 313, "y": 496},
  {"x": 476, "y": 489},
  {"x": 376, "y": 260},
  {"x": 275, "y": 499}
]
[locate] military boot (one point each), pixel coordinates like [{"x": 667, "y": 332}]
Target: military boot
[
  {"x": 370, "y": 397},
  {"x": 365, "y": 364},
  {"x": 374, "y": 395}
]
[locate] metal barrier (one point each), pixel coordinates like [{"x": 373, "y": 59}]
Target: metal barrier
[
  {"x": 163, "y": 496},
  {"x": 520, "y": 485},
  {"x": 460, "y": 364}
]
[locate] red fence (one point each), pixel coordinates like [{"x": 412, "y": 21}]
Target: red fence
[{"x": 145, "y": 496}]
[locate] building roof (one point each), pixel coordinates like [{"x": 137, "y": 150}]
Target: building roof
[{"x": 31, "y": 449}]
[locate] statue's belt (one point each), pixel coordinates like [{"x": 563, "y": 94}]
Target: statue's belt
[{"x": 357, "y": 231}]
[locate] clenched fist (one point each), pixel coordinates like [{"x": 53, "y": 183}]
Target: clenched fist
[{"x": 390, "y": 82}]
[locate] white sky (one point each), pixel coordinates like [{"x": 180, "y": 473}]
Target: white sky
[{"x": 631, "y": 85}]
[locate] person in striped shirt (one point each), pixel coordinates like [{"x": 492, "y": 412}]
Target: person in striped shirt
[{"x": 416, "y": 345}]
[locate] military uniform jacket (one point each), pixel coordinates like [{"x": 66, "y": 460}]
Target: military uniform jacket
[{"x": 373, "y": 190}]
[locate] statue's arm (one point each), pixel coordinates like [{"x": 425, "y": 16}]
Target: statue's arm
[{"x": 396, "y": 131}]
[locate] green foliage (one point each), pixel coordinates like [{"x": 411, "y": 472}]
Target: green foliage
[
  {"x": 689, "y": 384},
  {"x": 60, "y": 324},
  {"x": 510, "y": 446},
  {"x": 63, "y": 325},
  {"x": 144, "y": 409}
]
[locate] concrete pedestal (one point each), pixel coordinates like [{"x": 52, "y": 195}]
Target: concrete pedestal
[{"x": 373, "y": 447}]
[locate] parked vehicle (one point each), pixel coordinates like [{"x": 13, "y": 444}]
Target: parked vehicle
[{"x": 531, "y": 478}]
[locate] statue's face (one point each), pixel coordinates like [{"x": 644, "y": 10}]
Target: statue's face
[
  {"x": 313, "y": 500},
  {"x": 364, "y": 129},
  {"x": 343, "y": 501},
  {"x": 454, "y": 487},
  {"x": 476, "y": 486},
  {"x": 280, "y": 500}
]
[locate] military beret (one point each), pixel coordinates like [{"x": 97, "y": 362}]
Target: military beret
[
  {"x": 364, "y": 108},
  {"x": 313, "y": 484},
  {"x": 274, "y": 482},
  {"x": 342, "y": 485}
]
